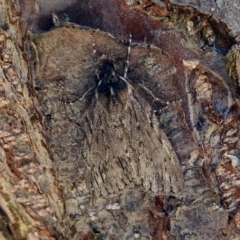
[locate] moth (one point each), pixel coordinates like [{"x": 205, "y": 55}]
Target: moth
[{"x": 122, "y": 145}]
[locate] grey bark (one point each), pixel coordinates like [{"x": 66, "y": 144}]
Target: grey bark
[{"x": 82, "y": 162}]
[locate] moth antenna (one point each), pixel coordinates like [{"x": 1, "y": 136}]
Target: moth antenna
[
  {"x": 79, "y": 98},
  {"x": 94, "y": 47},
  {"x": 150, "y": 92},
  {"x": 128, "y": 56},
  {"x": 155, "y": 99},
  {"x": 86, "y": 93},
  {"x": 126, "y": 81}
]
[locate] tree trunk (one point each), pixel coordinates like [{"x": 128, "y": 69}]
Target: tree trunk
[{"x": 119, "y": 119}]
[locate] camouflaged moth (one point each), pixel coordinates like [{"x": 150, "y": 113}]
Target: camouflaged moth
[{"x": 111, "y": 138}]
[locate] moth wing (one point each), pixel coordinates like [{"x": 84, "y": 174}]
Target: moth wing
[
  {"x": 110, "y": 168},
  {"x": 159, "y": 164},
  {"x": 125, "y": 147}
]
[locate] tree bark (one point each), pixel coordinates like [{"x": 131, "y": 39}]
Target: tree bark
[{"x": 99, "y": 133}]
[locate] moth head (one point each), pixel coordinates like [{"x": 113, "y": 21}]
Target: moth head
[
  {"x": 105, "y": 68},
  {"x": 109, "y": 82}
]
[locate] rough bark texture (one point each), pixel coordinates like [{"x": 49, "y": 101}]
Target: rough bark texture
[{"x": 81, "y": 162}]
